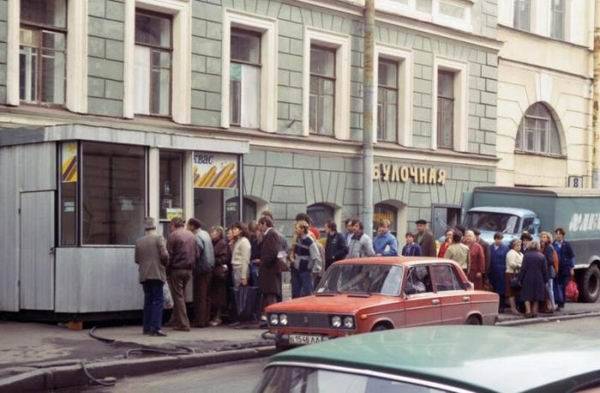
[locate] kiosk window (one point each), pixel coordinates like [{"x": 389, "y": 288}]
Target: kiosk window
[
  {"x": 171, "y": 176},
  {"x": 113, "y": 193}
]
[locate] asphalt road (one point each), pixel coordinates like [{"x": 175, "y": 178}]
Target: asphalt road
[{"x": 243, "y": 376}]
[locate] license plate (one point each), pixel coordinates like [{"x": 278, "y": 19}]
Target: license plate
[{"x": 303, "y": 339}]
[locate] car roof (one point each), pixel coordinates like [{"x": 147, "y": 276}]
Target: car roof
[
  {"x": 394, "y": 261},
  {"x": 480, "y": 358},
  {"x": 503, "y": 210}
]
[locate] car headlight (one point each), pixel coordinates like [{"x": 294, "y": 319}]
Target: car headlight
[
  {"x": 349, "y": 323},
  {"x": 283, "y": 319},
  {"x": 274, "y": 319},
  {"x": 336, "y": 321}
]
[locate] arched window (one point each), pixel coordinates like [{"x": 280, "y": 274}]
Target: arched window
[
  {"x": 538, "y": 132},
  {"x": 320, "y": 213},
  {"x": 384, "y": 211},
  {"x": 232, "y": 214}
]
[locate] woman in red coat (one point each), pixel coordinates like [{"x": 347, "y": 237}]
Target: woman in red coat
[
  {"x": 444, "y": 246},
  {"x": 476, "y": 260}
]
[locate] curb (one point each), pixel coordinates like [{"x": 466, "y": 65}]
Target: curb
[
  {"x": 71, "y": 376},
  {"x": 533, "y": 321}
]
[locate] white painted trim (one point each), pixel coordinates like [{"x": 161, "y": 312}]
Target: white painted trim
[
  {"x": 405, "y": 90},
  {"x": 461, "y": 102},
  {"x": 269, "y": 55},
  {"x": 342, "y": 43},
  {"x": 12, "y": 55},
  {"x": 77, "y": 57},
  {"x": 188, "y": 185},
  {"x": 154, "y": 183},
  {"x": 435, "y": 16},
  {"x": 181, "y": 93}
]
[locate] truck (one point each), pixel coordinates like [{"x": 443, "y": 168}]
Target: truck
[{"x": 512, "y": 210}]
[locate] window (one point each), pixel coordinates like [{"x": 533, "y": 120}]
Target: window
[
  {"x": 232, "y": 214},
  {"x": 68, "y": 193},
  {"x": 319, "y": 214},
  {"x": 538, "y": 132},
  {"x": 42, "y": 51},
  {"x": 445, "y": 110},
  {"x": 444, "y": 217},
  {"x": 382, "y": 212},
  {"x": 522, "y": 16},
  {"x": 245, "y": 79},
  {"x": 387, "y": 101},
  {"x": 557, "y": 29},
  {"x": 113, "y": 193},
  {"x": 322, "y": 90},
  {"x": 170, "y": 182},
  {"x": 153, "y": 57},
  {"x": 418, "y": 281},
  {"x": 445, "y": 278}
]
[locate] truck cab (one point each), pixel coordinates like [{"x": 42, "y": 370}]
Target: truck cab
[{"x": 510, "y": 221}]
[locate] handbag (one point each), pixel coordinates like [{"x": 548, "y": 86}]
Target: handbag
[
  {"x": 515, "y": 282},
  {"x": 220, "y": 272},
  {"x": 167, "y": 298},
  {"x": 571, "y": 291}
]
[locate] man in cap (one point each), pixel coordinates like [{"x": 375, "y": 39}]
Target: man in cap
[{"x": 425, "y": 239}]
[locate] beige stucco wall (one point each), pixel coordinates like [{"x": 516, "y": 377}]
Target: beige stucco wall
[{"x": 530, "y": 70}]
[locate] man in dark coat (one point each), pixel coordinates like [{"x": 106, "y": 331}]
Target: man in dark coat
[
  {"x": 566, "y": 265},
  {"x": 269, "y": 274},
  {"x": 497, "y": 269},
  {"x": 336, "y": 247},
  {"x": 425, "y": 239}
]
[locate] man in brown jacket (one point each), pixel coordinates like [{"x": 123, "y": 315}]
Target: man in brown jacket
[
  {"x": 183, "y": 252},
  {"x": 425, "y": 239},
  {"x": 152, "y": 257}
]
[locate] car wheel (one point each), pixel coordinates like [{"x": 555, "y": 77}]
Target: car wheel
[
  {"x": 381, "y": 326},
  {"x": 473, "y": 320},
  {"x": 590, "y": 285}
]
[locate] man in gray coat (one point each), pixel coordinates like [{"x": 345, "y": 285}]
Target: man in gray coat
[
  {"x": 152, "y": 257},
  {"x": 202, "y": 273},
  {"x": 360, "y": 244}
]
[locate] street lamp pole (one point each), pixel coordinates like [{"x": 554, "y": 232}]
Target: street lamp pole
[
  {"x": 596, "y": 100},
  {"x": 368, "y": 97}
]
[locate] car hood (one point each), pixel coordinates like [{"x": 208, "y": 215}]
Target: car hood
[{"x": 342, "y": 303}]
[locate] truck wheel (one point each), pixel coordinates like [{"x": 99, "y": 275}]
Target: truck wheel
[
  {"x": 590, "y": 285},
  {"x": 473, "y": 320}
]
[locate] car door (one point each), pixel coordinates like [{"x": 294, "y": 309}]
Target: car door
[
  {"x": 453, "y": 298},
  {"x": 421, "y": 303}
]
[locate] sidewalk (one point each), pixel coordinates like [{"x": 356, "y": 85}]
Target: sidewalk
[
  {"x": 570, "y": 310},
  {"x": 29, "y": 346}
]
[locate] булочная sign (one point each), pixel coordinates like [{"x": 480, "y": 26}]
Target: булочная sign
[{"x": 403, "y": 174}]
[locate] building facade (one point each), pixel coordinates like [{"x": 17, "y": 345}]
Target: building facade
[
  {"x": 545, "y": 79},
  {"x": 219, "y": 109}
]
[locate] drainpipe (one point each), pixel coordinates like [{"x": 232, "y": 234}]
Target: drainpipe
[
  {"x": 596, "y": 101},
  {"x": 368, "y": 89}
]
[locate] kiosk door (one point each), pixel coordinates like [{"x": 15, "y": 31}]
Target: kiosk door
[{"x": 37, "y": 251}]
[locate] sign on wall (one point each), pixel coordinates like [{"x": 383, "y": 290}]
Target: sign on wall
[
  {"x": 69, "y": 162},
  {"x": 217, "y": 171},
  {"x": 401, "y": 173}
]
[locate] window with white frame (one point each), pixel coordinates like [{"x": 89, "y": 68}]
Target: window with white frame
[
  {"x": 557, "y": 25},
  {"x": 522, "y": 15},
  {"x": 452, "y": 13},
  {"x": 249, "y": 74},
  {"x": 387, "y": 100},
  {"x": 450, "y": 105},
  {"x": 445, "y": 109},
  {"x": 538, "y": 132},
  {"x": 42, "y": 51},
  {"x": 322, "y": 90},
  {"x": 153, "y": 59},
  {"x": 245, "y": 79},
  {"x": 326, "y": 83}
]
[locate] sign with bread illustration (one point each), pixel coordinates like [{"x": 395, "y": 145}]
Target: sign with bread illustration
[
  {"x": 217, "y": 171},
  {"x": 69, "y": 162}
]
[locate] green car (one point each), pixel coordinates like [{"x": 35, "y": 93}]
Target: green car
[{"x": 439, "y": 359}]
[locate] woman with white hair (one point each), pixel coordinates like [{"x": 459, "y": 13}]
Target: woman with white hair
[{"x": 533, "y": 277}]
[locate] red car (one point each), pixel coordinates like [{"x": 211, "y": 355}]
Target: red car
[{"x": 367, "y": 294}]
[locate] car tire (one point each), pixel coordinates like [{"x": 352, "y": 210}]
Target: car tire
[
  {"x": 590, "y": 285},
  {"x": 473, "y": 320},
  {"x": 381, "y": 326}
]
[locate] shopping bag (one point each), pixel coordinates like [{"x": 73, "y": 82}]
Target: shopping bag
[
  {"x": 571, "y": 291},
  {"x": 168, "y": 299},
  {"x": 246, "y": 303}
]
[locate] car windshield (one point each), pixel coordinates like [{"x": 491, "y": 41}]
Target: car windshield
[
  {"x": 367, "y": 278},
  {"x": 287, "y": 379},
  {"x": 493, "y": 222}
]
